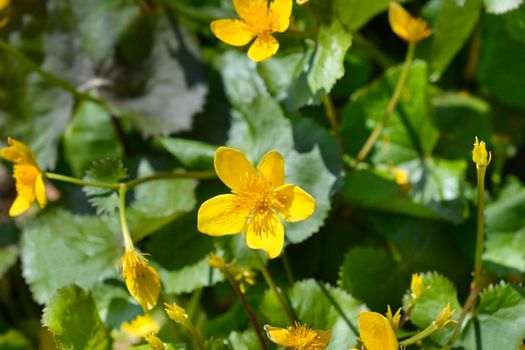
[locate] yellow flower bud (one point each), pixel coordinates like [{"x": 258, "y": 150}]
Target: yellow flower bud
[
  {"x": 405, "y": 26},
  {"x": 444, "y": 318},
  {"x": 417, "y": 286},
  {"x": 155, "y": 343},
  {"x": 480, "y": 156},
  {"x": 393, "y": 319},
  {"x": 216, "y": 261},
  {"x": 176, "y": 313}
]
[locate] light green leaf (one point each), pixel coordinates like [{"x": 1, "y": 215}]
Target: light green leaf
[
  {"x": 315, "y": 309},
  {"x": 356, "y": 13},
  {"x": 8, "y": 256},
  {"x": 246, "y": 340},
  {"x": 14, "y": 340},
  {"x": 59, "y": 249},
  {"x": 452, "y": 26},
  {"x": 192, "y": 154},
  {"x": 90, "y": 137},
  {"x": 501, "y": 6},
  {"x": 108, "y": 171},
  {"x": 73, "y": 319}
]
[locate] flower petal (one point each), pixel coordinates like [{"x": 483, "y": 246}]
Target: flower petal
[
  {"x": 271, "y": 168},
  {"x": 18, "y": 153},
  {"x": 232, "y": 31},
  {"x": 264, "y": 47},
  {"x": 265, "y": 231},
  {"x": 399, "y": 19},
  {"x": 282, "y": 10},
  {"x": 21, "y": 204},
  {"x": 293, "y": 203},
  {"x": 221, "y": 215},
  {"x": 233, "y": 168},
  {"x": 142, "y": 280},
  {"x": 40, "y": 191},
  {"x": 251, "y": 10},
  {"x": 376, "y": 332}
]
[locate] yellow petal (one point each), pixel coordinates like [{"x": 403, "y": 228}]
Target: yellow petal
[
  {"x": 233, "y": 168},
  {"x": 264, "y": 47},
  {"x": 18, "y": 153},
  {"x": 278, "y": 335},
  {"x": 376, "y": 332},
  {"x": 265, "y": 231},
  {"x": 40, "y": 191},
  {"x": 232, "y": 31},
  {"x": 251, "y": 10},
  {"x": 221, "y": 215},
  {"x": 142, "y": 280},
  {"x": 4, "y": 4},
  {"x": 25, "y": 178},
  {"x": 20, "y": 205},
  {"x": 293, "y": 203},
  {"x": 282, "y": 10},
  {"x": 141, "y": 326},
  {"x": 271, "y": 168},
  {"x": 405, "y": 26}
]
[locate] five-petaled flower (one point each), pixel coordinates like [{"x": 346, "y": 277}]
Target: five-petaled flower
[
  {"x": 257, "y": 196},
  {"x": 28, "y": 177},
  {"x": 257, "y": 20},
  {"x": 405, "y": 26},
  {"x": 299, "y": 337},
  {"x": 376, "y": 332},
  {"x": 141, "y": 279}
]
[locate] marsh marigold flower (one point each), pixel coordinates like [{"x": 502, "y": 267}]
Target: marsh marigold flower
[
  {"x": 155, "y": 343},
  {"x": 480, "y": 156},
  {"x": 141, "y": 279},
  {"x": 405, "y": 26},
  {"x": 28, "y": 177},
  {"x": 258, "y": 21},
  {"x": 444, "y": 318},
  {"x": 257, "y": 196},
  {"x": 376, "y": 332},
  {"x": 417, "y": 286},
  {"x": 299, "y": 337},
  {"x": 141, "y": 326}
]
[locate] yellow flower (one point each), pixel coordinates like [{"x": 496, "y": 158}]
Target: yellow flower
[
  {"x": 141, "y": 279},
  {"x": 3, "y": 5},
  {"x": 444, "y": 318},
  {"x": 155, "y": 343},
  {"x": 480, "y": 156},
  {"x": 405, "y": 26},
  {"x": 257, "y": 20},
  {"x": 141, "y": 326},
  {"x": 299, "y": 337},
  {"x": 257, "y": 195},
  {"x": 176, "y": 313},
  {"x": 393, "y": 319},
  {"x": 27, "y": 174},
  {"x": 243, "y": 276},
  {"x": 417, "y": 286},
  {"x": 376, "y": 332}
]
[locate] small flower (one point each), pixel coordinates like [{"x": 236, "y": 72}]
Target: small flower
[
  {"x": 141, "y": 279},
  {"x": 141, "y": 326},
  {"x": 417, "y": 286},
  {"x": 242, "y": 276},
  {"x": 405, "y": 26},
  {"x": 257, "y": 20},
  {"x": 480, "y": 156},
  {"x": 444, "y": 318},
  {"x": 216, "y": 261},
  {"x": 155, "y": 343},
  {"x": 257, "y": 195},
  {"x": 376, "y": 332},
  {"x": 299, "y": 337},
  {"x": 176, "y": 313},
  {"x": 393, "y": 319},
  {"x": 28, "y": 177}
]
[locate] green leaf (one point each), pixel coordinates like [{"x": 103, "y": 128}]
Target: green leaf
[
  {"x": 246, "y": 340},
  {"x": 440, "y": 292},
  {"x": 505, "y": 232},
  {"x": 409, "y": 132},
  {"x": 73, "y": 319},
  {"x": 501, "y": 6},
  {"x": 90, "y": 137},
  {"x": 500, "y": 322},
  {"x": 355, "y": 13},
  {"x": 192, "y": 154},
  {"x": 371, "y": 275},
  {"x": 8, "y": 256},
  {"x": 515, "y": 23},
  {"x": 312, "y": 158},
  {"x": 317, "y": 311},
  {"x": 452, "y": 26},
  {"x": 59, "y": 249},
  {"x": 108, "y": 171},
  {"x": 216, "y": 344},
  {"x": 14, "y": 340}
]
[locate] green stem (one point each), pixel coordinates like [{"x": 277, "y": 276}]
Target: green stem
[
  {"x": 247, "y": 308},
  {"x": 287, "y": 268},
  {"x": 81, "y": 182},
  {"x": 367, "y": 147},
  {"x": 421, "y": 335},
  {"x": 205, "y": 174},
  {"x": 128, "y": 242},
  {"x": 469, "y": 304},
  {"x": 332, "y": 118},
  {"x": 269, "y": 280},
  {"x": 478, "y": 262}
]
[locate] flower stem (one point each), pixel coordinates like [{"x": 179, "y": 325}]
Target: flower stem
[
  {"x": 469, "y": 304},
  {"x": 480, "y": 237},
  {"x": 205, "y": 174},
  {"x": 269, "y": 280},
  {"x": 81, "y": 182},
  {"x": 421, "y": 335},
  {"x": 332, "y": 119},
  {"x": 128, "y": 243},
  {"x": 247, "y": 308},
  {"x": 367, "y": 147}
]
